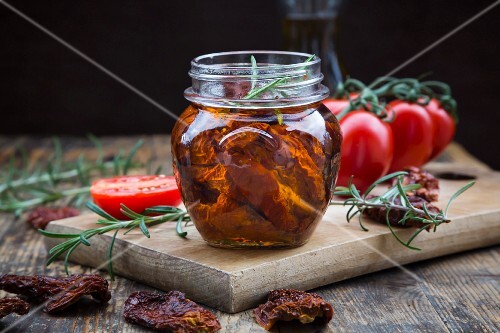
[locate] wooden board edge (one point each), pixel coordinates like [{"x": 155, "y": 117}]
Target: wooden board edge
[
  {"x": 235, "y": 291},
  {"x": 444, "y": 242},
  {"x": 157, "y": 271}
]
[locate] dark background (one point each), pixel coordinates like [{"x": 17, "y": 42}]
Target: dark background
[{"x": 47, "y": 89}]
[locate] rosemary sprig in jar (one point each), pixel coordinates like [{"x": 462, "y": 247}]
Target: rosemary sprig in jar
[{"x": 254, "y": 92}]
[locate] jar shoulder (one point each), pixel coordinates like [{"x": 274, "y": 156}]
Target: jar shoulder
[{"x": 316, "y": 121}]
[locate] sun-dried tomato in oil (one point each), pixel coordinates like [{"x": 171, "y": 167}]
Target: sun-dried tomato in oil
[{"x": 254, "y": 183}]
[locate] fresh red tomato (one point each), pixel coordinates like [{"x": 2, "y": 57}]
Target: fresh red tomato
[
  {"x": 444, "y": 127},
  {"x": 135, "y": 192},
  {"x": 367, "y": 149},
  {"x": 413, "y": 131},
  {"x": 336, "y": 105}
]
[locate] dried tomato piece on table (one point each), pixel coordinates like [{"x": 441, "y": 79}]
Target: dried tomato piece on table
[
  {"x": 59, "y": 292},
  {"x": 425, "y": 195},
  {"x": 10, "y": 305},
  {"x": 39, "y": 217},
  {"x": 430, "y": 185},
  {"x": 171, "y": 311},
  {"x": 290, "y": 304}
]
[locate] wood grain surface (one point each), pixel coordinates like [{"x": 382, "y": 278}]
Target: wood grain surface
[
  {"x": 456, "y": 293},
  {"x": 236, "y": 280}
]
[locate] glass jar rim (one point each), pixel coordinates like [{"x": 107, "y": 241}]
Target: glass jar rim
[
  {"x": 295, "y": 79},
  {"x": 197, "y": 61}
]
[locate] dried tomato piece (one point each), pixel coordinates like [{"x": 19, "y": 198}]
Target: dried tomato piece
[
  {"x": 170, "y": 311},
  {"x": 39, "y": 217},
  {"x": 379, "y": 213},
  {"x": 59, "y": 292},
  {"x": 290, "y": 304},
  {"x": 430, "y": 185},
  {"x": 10, "y": 305}
]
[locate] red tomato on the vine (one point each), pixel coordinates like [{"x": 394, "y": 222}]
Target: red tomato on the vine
[
  {"x": 367, "y": 149},
  {"x": 444, "y": 127},
  {"x": 336, "y": 105},
  {"x": 135, "y": 192},
  {"x": 413, "y": 131}
]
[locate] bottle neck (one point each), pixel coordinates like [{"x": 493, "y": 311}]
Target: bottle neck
[{"x": 256, "y": 79}]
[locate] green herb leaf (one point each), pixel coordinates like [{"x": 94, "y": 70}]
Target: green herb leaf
[
  {"x": 66, "y": 258},
  {"x": 456, "y": 194},
  {"x": 110, "y": 255},
  {"x": 144, "y": 229},
  {"x": 84, "y": 240},
  {"x": 128, "y": 161},
  {"x": 99, "y": 211},
  {"x": 56, "y": 235},
  {"x": 178, "y": 228}
]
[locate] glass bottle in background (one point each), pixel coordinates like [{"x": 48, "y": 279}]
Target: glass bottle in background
[{"x": 310, "y": 26}]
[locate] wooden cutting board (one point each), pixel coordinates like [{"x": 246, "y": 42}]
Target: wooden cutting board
[{"x": 235, "y": 280}]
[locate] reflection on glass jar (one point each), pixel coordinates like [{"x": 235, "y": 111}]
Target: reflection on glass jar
[{"x": 256, "y": 154}]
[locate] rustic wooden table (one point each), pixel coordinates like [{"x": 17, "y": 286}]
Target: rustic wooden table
[{"x": 456, "y": 293}]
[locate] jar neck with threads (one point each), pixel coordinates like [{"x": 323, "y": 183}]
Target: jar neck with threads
[{"x": 256, "y": 80}]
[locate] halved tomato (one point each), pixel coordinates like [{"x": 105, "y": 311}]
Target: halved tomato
[{"x": 135, "y": 192}]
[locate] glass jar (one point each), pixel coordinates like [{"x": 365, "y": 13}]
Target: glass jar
[{"x": 256, "y": 154}]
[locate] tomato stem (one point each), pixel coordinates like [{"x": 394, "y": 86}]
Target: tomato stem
[{"x": 373, "y": 98}]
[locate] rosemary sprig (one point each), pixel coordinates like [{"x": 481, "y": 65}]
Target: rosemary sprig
[
  {"x": 44, "y": 197},
  {"x": 141, "y": 221},
  {"x": 257, "y": 91},
  {"x": 23, "y": 187},
  {"x": 389, "y": 201}
]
